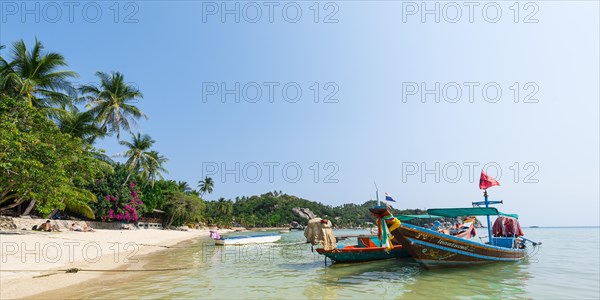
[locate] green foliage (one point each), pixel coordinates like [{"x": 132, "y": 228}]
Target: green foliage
[
  {"x": 276, "y": 209},
  {"x": 39, "y": 162},
  {"x": 182, "y": 208},
  {"x": 220, "y": 212},
  {"x": 154, "y": 197},
  {"x": 111, "y": 185},
  {"x": 80, "y": 124}
]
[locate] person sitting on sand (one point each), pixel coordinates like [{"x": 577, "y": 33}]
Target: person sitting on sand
[
  {"x": 45, "y": 226},
  {"x": 88, "y": 228},
  {"x": 48, "y": 227},
  {"x": 74, "y": 227},
  {"x": 38, "y": 227}
]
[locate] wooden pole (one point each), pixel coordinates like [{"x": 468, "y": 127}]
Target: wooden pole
[{"x": 485, "y": 196}]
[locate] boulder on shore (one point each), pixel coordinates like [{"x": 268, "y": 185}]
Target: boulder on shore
[
  {"x": 305, "y": 213},
  {"x": 6, "y": 223}
]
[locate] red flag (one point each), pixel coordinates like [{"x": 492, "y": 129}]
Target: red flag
[{"x": 486, "y": 181}]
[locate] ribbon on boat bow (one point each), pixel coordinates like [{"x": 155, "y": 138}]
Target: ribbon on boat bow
[{"x": 388, "y": 225}]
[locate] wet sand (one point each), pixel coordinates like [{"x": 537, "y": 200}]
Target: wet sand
[{"x": 33, "y": 264}]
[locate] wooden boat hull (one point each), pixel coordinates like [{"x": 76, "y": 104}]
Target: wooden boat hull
[
  {"x": 433, "y": 249},
  {"x": 350, "y": 254},
  {"x": 248, "y": 239}
]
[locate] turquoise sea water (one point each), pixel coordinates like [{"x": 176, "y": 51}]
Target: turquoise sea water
[{"x": 566, "y": 266}]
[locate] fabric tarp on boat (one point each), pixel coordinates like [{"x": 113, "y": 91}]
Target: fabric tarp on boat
[
  {"x": 506, "y": 227},
  {"x": 468, "y": 211},
  {"x": 319, "y": 231}
]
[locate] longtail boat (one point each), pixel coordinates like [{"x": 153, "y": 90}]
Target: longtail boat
[
  {"x": 366, "y": 249},
  {"x": 435, "y": 247}
]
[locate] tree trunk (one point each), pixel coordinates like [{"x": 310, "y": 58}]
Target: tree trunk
[
  {"x": 171, "y": 219},
  {"x": 29, "y": 207},
  {"x": 56, "y": 209},
  {"x": 51, "y": 215},
  {"x": 127, "y": 179},
  {"x": 17, "y": 203}
]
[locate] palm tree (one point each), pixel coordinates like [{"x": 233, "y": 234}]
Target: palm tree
[
  {"x": 7, "y": 85},
  {"x": 111, "y": 102},
  {"x": 138, "y": 153},
  {"x": 153, "y": 167},
  {"x": 224, "y": 207},
  {"x": 81, "y": 125},
  {"x": 36, "y": 78},
  {"x": 184, "y": 187},
  {"x": 80, "y": 207},
  {"x": 206, "y": 185}
]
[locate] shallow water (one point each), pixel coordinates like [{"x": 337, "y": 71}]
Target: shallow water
[{"x": 565, "y": 266}]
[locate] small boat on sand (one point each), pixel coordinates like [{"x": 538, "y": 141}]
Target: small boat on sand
[{"x": 248, "y": 239}]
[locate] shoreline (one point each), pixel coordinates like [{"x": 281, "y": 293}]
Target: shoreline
[
  {"x": 33, "y": 264},
  {"x": 113, "y": 277}
]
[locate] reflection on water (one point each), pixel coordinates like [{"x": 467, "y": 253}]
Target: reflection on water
[
  {"x": 406, "y": 278},
  {"x": 294, "y": 272}
]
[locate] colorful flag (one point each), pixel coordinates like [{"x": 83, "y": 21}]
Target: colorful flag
[
  {"x": 486, "y": 181},
  {"x": 389, "y": 198}
]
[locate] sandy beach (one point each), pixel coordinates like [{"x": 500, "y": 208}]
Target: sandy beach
[{"x": 33, "y": 263}]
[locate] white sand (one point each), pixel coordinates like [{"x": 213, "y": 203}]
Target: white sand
[{"x": 46, "y": 253}]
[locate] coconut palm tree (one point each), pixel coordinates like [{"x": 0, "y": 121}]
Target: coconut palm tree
[
  {"x": 138, "y": 153},
  {"x": 152, "y": 167},
  {"x": 206, "y": 185},
  {"x": 82, "y": 125},
  {"x": 7, "y": 85},
  {"x": 37, "y": 78},
  {"x": 111, "y": 102},
  {"x": 224, "y": 207},
  {"x": 184, "y": 186}
]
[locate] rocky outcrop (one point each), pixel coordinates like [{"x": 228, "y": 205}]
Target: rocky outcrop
[
  {"x": 305, "y": 213},
  {"x": 6, "y": 223}
]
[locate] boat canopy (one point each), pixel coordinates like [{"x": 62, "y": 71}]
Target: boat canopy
[
  {"x": 412, "y": 217},
  {"x": 468, "y": 211}
]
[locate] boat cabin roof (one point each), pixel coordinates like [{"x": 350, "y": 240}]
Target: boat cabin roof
[
  {"x": 412, "y": 217},
  {"x": 468, "y": 211}
]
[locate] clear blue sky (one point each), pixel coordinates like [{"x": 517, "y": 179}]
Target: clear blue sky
[{"x": 371, "y": 60}]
